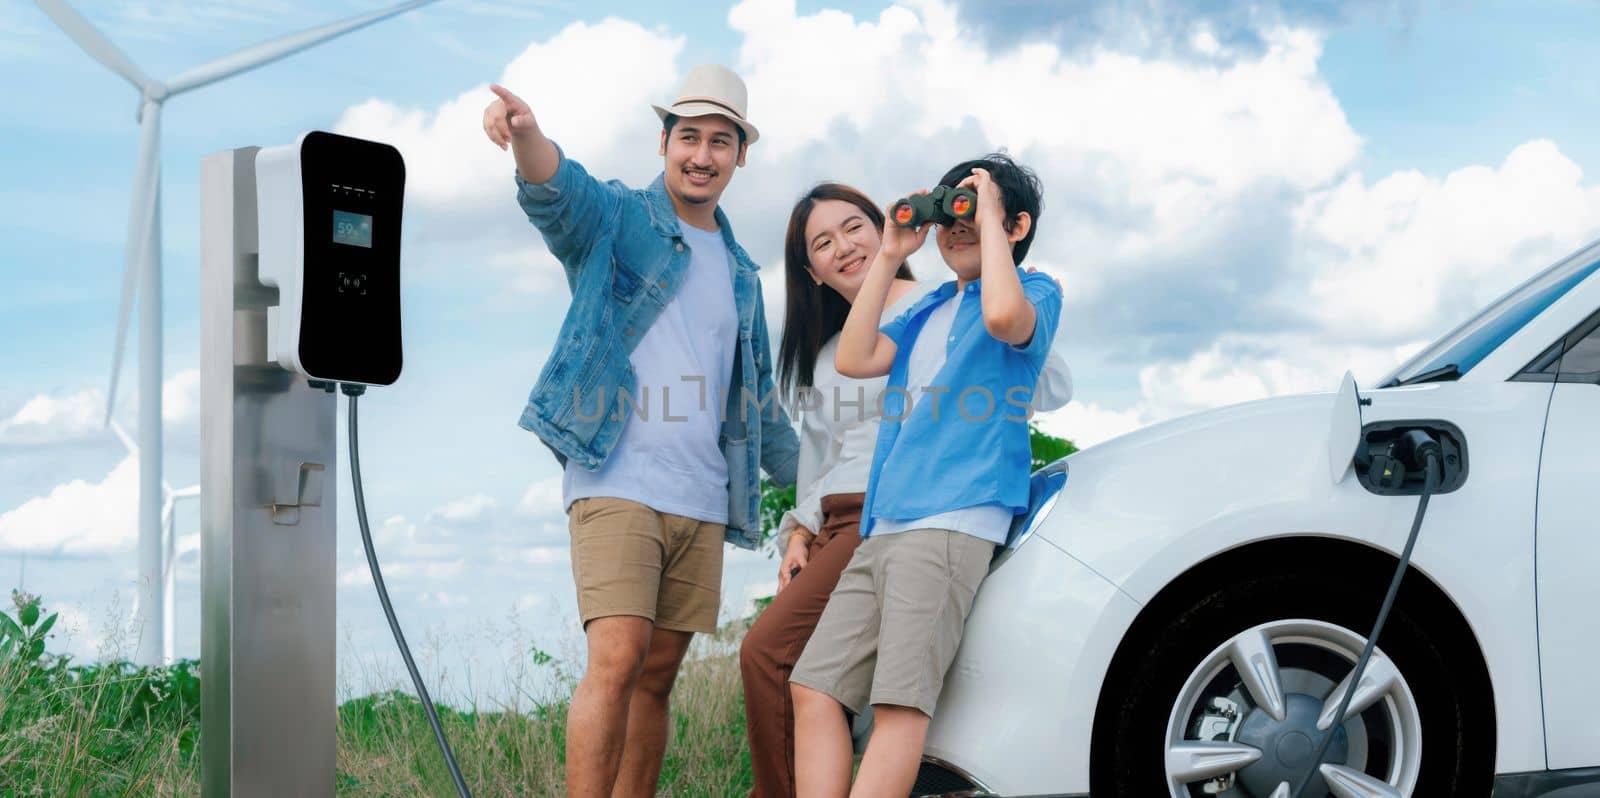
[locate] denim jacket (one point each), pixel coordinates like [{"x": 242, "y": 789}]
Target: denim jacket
[{"x": 624, "y": 259}]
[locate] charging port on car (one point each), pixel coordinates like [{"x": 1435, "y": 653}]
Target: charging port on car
[{"x": 1383, "y": 469}]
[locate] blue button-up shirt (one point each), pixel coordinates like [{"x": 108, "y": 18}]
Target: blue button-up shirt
[{"x": 966, "y": 443}]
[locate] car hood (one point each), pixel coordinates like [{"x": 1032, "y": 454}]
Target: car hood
[{"x": 1180, "y": 475}]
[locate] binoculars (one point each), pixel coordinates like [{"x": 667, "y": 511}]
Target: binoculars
[{"x": 943, "y": 205}]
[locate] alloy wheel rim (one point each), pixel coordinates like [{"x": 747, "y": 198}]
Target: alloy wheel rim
[{"x": 1251, "y": 713}]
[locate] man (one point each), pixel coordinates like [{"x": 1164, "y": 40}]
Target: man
[{"x": 658, "y": 401}]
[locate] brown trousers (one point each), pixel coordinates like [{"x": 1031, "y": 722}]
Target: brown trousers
[{"x": 776, "y": 639}]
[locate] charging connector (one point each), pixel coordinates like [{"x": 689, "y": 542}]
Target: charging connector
[
  {"x": 354, "y": 391},
  {"x": 1386, "y": 470},
  {"x": 1416, "y": 446},
  {"x": 1390, "y": 457}
]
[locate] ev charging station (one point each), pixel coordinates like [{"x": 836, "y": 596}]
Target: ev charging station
[{"x": 300, "y": 292}]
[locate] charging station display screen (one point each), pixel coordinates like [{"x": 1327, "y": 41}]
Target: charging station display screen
[
  {"x": 350, "y": 316},
  {"x": 353, "y": 229}
]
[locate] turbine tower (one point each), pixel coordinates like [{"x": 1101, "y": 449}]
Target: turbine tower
[{"x": 142, "y": 266}]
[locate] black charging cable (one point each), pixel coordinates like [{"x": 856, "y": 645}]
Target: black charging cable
[
  {"x": 1414, "y": 445},
  {"x": 354, "y": 392}
]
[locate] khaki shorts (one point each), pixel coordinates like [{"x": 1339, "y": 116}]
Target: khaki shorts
[
  {"x": 893, "y": 623},
  {"x": 628, "y": 559}
]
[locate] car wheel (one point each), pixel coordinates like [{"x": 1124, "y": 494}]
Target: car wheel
[{"x": 1230, "y": 698}]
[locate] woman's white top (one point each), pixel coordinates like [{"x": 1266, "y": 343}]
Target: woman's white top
[{"x": 839, "y": 423}]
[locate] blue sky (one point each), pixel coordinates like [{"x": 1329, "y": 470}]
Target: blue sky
[{"x": 1225, "y": 196}]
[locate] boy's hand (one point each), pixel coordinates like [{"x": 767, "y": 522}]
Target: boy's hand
[
  {"x": 899, "y": 242},
  {"x": 1059, "y": 286},
  {"x": 507, "y": 118},
  {"x": 991, "y": 206},
  {"x": 795, "y": 557}
]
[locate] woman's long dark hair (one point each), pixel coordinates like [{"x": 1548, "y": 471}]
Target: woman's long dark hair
[{"x": 813, "y": 313}]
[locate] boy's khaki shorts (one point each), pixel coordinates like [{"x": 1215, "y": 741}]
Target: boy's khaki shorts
[
  {"x": 893, "y": 623},
  {"x": 628, "y": 559}
]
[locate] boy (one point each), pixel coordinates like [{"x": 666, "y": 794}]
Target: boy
[{"x": 944, "y": 485}]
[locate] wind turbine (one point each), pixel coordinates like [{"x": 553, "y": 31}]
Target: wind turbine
[{"x": 142, "y": 263}]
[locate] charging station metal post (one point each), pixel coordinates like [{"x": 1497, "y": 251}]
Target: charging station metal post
[{"x": 268, "y": 699}]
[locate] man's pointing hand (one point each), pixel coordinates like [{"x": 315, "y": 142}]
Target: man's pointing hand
[{"x": 507, "y": 117}]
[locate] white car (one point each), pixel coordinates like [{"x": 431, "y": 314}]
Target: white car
[{"x": 1175, "y": 615}]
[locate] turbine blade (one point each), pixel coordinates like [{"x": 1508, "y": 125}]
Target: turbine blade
[
  {"x": 128, "y": 283},
  {"x": 141, "y": 220},
  {"x": 281, "y": 47},
  {"x": 123, "y": 436},
  {"x": 94, "y": 42},
  {"x": 169, "y": 545}
]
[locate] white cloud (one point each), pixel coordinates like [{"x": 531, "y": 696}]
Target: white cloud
[
  {"x": 1239, "y": 369},
  {"x": 444, "y": 598},
  {"x": 542, "y": 500},
  {"x": 77, "y": 518},
  {"x": 1089, "y": 423},
  {"x": 50, "y": 420},
  {"x": 359, "y": 575},
  {"x": 180, "y": 398},
  {"x": 1220, "y": 127},
  {"x": 465, "y": 510},
  {"x": 796, "y": 96},
  {"x": 598, "y": 102},
  {"x": 404, "y": 541},
  {"x": 529, "y": 269},
  {"x": 1389, "y": 266},
  {"x": 46, "y": 420},
  {"x": 1409, "y": 255},
  {"x": 403, "y": 571},
  {"x": 544, "y": 555},
  {"x": 1386, "y": 267},
  {"x": 1234, "y": 369},
  {"x": 476, "y": 533}
]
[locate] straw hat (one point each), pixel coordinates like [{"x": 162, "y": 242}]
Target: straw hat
[{"x": 712, "y": 89}]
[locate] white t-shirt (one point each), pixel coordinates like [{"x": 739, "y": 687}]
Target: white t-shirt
[
  {"x": 928, "y": 354},
  {"x": 667, "y": 457}
]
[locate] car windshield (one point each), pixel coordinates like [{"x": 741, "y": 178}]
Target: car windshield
[{"x": 1456, "y": 353}]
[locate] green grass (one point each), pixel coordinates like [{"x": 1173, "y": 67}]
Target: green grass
[
  {"x": 94, "y": 730},
  {"x": 387, "y": 748},
  {"x": 116, "y": 729}
]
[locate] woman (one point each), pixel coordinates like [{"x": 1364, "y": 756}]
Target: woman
[{"x": 834, "y": 233}]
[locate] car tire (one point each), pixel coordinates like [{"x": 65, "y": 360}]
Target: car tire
[{"x": 1453, "y": 703}]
